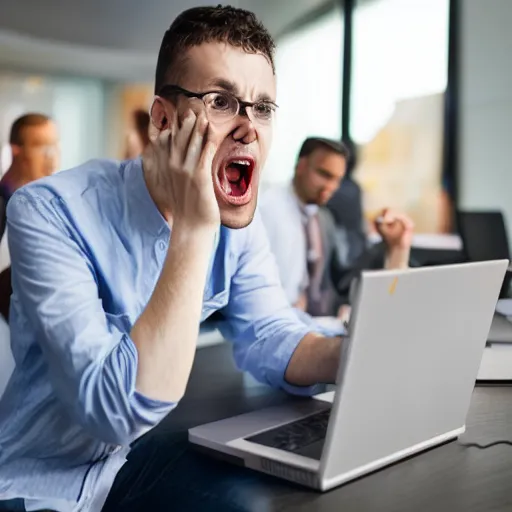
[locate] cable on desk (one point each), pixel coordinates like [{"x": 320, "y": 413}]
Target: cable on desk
[{"x": 485, "y": 446}]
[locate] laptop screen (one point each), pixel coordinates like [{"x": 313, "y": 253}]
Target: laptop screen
[{"x": 484, "y": 235}]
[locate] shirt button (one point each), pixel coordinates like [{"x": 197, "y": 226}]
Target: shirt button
[{"x": 162, "y": 245}]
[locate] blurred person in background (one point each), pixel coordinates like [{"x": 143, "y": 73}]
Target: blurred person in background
[
  {"x": 138, "y": 136},
  {"x": 34, "y": 142},
  {"x": 312, "y": 256}
]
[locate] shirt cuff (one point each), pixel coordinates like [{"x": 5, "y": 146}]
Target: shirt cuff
[
  {"x": 147, "y": 411},
  {"x": 324, "y": 330}
]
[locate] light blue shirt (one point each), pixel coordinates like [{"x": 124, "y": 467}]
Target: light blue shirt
[
  {"x": 87, "y": 247},
  {"x": 285, "y": 218}
]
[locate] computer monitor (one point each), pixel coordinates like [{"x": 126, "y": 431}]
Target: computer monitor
[{"x": 484, "y": 237}]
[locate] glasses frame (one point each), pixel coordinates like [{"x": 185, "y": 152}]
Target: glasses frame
[{"x": 171, "y": 90}]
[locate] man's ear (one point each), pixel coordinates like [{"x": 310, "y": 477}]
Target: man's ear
[
  {"x": 301, "y": 165},
  {"x": 159, "y": 115},
  {"x": 15, "y": 150}
]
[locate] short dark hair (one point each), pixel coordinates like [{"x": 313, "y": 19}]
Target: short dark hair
[
  {"x": 222, "y": 24},
  {"x": 25, "y": 121},
  {"x": 311, "y": 144}
]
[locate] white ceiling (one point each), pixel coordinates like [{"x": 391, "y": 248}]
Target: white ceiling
[{"x": 112, "y": 39}]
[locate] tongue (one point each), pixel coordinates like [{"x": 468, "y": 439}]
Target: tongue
[{"x": 232, "y": 174}]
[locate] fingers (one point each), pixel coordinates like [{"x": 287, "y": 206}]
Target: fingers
[
  {"x": 394, "y": 227},
  {"x": 204, "y": 168},
  {"x": 160, "y": 149},
  {"x": 195, "y": 145},
  {"x": 163, "y": 140},
  {"x": 181, "y": 137}
]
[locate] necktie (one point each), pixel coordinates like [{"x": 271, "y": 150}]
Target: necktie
[{"x": 315, "y": 265}]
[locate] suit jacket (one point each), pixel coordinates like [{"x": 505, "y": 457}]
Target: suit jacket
[
  {"x": 339, "y": 269},
  {"x": 346, "y": 206},
  {"x": 281, "y": 214},
  {"x": 5, "y": 275}
]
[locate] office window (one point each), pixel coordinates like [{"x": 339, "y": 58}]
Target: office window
[
  {"x": 399, "y": 76},
  {"x": 309, "y": 81}
]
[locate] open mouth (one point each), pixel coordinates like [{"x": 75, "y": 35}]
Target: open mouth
[{"x": 235, "y": 177}]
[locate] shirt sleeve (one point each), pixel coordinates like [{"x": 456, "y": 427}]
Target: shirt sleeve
[
  {"x": 92, "y": 362},
  {"x": 263, "y": 327}
]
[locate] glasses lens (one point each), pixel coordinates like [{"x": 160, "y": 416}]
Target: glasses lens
[
  {"x": 264, "y": 112},
  {"x": 220, "y": 106}
]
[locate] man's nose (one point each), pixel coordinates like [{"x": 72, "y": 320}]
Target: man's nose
[{"x": 244, "y": 130}]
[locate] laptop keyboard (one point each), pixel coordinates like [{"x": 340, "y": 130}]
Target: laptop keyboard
[{"x": 303, "y": 437}]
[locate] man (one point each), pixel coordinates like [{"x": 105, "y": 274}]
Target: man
[
  {"x": 34, "y": 145},
  {"x": 117, "y": 264},
  {"x": 313, "y": 261}
]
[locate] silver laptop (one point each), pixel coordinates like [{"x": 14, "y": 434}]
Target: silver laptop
[{"x": 404, "y": 383}]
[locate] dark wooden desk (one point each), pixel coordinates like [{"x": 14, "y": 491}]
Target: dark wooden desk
[{"x": 448, "y": 478}]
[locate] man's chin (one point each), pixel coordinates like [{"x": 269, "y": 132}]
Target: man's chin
[{"x": 237, "y": 217}]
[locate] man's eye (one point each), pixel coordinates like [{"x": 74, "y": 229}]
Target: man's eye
[
  {"x": 220, "y": 102},
  {"x": 264, "y": 109}
]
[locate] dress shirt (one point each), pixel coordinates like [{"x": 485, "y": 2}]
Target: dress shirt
[
  {"x": 87, "y": 247},
  {"x": 285, "y": 219}
]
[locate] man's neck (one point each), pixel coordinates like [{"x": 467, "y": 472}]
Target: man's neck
[{"x": 297, "y": 191}]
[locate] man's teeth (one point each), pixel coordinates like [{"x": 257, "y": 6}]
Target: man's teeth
[{"x": 241, "y": 162}]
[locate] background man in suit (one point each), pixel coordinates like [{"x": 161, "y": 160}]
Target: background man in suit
[
  {"x": 35, "y": 154},
  {"x": 311, "y": 254}
]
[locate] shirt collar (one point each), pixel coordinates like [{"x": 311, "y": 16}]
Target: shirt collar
[
  {"x": 142, "y": 210},
  {"x": 307, "y": 210}
]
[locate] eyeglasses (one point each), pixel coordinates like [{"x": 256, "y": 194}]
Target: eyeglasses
[{"x": 222, "y": 106}]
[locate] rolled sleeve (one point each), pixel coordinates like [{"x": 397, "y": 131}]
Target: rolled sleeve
[
  {"x": 92, "y": 362},
  {"x": 263, "y": 327}
]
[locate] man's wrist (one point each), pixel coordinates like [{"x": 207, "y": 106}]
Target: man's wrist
[
  {"x": 315, "y": 361},
  {"x": 397, "y": 258},
  {"x": 185, "y": 233}
]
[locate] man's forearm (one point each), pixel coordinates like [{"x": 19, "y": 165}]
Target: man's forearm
[
  {"x": 315, "y": 361},
  {"x": 397, "y": 259},
  {"x": 166, "y": 332}
]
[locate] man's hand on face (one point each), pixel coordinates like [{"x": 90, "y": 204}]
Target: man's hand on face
[
  {"x": 180, "y": 169},
  {"x": 396, "y": 230}
]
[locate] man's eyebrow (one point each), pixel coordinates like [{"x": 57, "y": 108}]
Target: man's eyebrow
[
  {"x": 231, "y": 87},
  {"x": 264, "y": 97},
  {"x": 325, "y": 172},
  {"x": 222, "y": 83}
]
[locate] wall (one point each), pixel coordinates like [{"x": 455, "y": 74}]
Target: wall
[
  {"x": 121, "y": 100},
  {"x": 485, "y": 163},
  {"x": 309, "y": 77}
]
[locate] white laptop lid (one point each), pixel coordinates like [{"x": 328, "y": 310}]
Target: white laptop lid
[{"x": 417, "y": 338}]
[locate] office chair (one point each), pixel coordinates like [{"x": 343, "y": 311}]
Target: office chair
[{"x": 484, "y": 237}]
